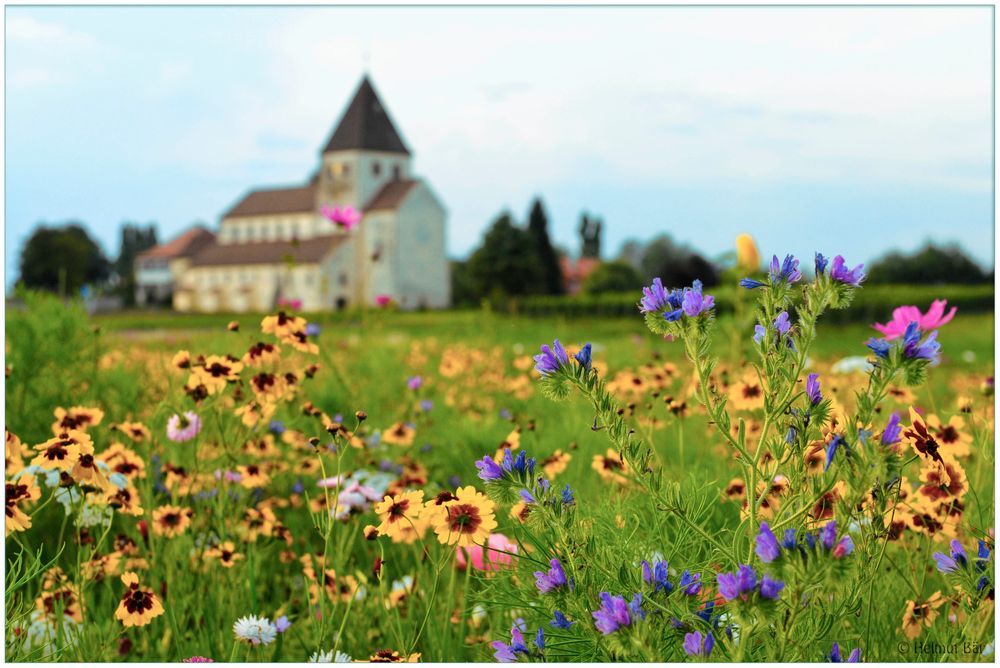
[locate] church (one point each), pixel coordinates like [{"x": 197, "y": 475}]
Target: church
[{"x": 274, "y": 246}]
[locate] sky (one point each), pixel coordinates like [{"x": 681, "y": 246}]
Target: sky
[{"x": 843, "y": 130}]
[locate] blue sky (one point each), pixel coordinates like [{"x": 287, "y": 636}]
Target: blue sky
[{"x": 846, "y": 130}]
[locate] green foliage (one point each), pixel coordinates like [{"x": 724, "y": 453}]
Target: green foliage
[
  {"x": 62, "y": 259},
  {"x": 931, "y": 264},
  {"x": 548, "y": 259},
  {"x": 135, "y": 239},
  {"x": 673, "y": 263},
  {"x": 615, "y": 276},
  {"x": 590, "y": 235}
]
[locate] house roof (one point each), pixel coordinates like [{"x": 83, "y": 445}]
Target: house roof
[
  {"x": 263, "y": 202},
  {"x": 365, "y": 124},
  {"x": 187, "y": 243},
  {"x": 304, "y": 251},
  {"x": 391, "y": 195}
]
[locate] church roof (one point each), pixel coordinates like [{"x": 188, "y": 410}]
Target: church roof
[
  {"x": 391, "y": 195},
  {"x": 365, "y": 124},
  {"x": 305, "y": 251},
  {"x": 264, "y": 202},
  {"x": 187, "y": 243}
]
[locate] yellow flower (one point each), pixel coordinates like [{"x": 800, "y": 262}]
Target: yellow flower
[
  {"x": 78, "y": 417},
  {"x": 62, "y": 451},
  {"x": 400, "y": 514},
  {"x": 18, "y": 492},
  {"x": 136, "y": 431},
  {"x": 919, "y": 615},
  {"x": 611, "y": 466},
  {"x": 138, "y": 606},
  {"x": 747, "y": 255},
  {"x": 225, "y": 553},
  {"x": 747, "y": 394},
  {"x": 171, "y": 521},
  {"x": 555, "y": 464},
  {"x": 87, "y": 469},
  {"x": 122, "y": 460},
  {"x": 399, "y": 434},
  {"x": 15, "y": 452},
  {"x": 215, "y": 373},
  {"x": 466, "y": 520},
  {"x": 253, "y": 476},
  {"x": 392, "y": 656}
]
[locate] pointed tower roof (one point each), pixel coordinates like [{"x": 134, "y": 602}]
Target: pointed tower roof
[{"x": 366, "y": 125}]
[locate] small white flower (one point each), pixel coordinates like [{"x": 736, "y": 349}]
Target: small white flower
[
  {"x": 255, "y": 630},
  {"x": 321, "y": 657}
]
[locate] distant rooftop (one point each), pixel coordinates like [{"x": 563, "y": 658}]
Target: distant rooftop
[
  {"x": 365, "y": 124},
  {"x": 188, "y": 243}
]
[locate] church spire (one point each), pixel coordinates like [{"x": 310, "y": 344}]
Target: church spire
[{"x": 366, "y": 125}]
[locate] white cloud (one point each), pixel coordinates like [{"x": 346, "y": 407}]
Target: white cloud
[{"x": 30, "y": 30}]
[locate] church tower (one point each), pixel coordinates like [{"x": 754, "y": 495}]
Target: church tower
[{"x": 364, "y": 152}]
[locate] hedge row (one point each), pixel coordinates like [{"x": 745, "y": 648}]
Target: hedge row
[{"x": 874, "y": 303}]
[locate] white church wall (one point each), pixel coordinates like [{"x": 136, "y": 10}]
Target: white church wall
[{"x": 423, "y": 265}]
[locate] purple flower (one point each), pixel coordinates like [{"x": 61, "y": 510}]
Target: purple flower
[
  {"x": 787, "y": 271},
  {"x": 635, "y": 607},
  {"x": 820, "y": 264},
  {"x": 831, "y": 449},
  {"x": 282, "y": 624},
  {"x": 612, "y": 614},
  {"x": 751, "y": 284},
  {"x": 843, "y": 548},
  {"x": 690, "y": 585},
  {"x": 758, "y": 333},
  {"x": 828, "y": 535},
  {"x": 839, "y": 272},
  {"x": 584, "y": 356},
  {"x": 957, "y": 559},
  {"x": 732, "y": 586},
  {"x": 654, "y": 297},
  {"x": 890, "y": 435},
  {"x": 767, "y": 545},
  {"x": 551, "y": 359},
  {"x": 695, "y": 303},
  {"x": 559, "y": 621},
  {"x": 489, "y": 470},
  {"x": 812, "y": 388},
  {"x": 312, "y": 329},
  {"x": 553, "y": 579},
  {"x": 880, "y": 347},
  {"x": 769, "y": 588},
  {"x": 540, "y": 639},
  {"x": 853, "y": 657},
  {"x": 527, "y": 497},
  {"x": 696, "y": 645},
  {"x": 782, "y": 324},
  {"x": 567, "y": 496},
  {"x": 913, "y": 348},
  {"x": 415, "y": 382},
  {"x": 426, "y": 405},
  {"x": 508, "y": 653},
  {"x": 789, "y": 541},
  {"x": 657, "y": 575}
]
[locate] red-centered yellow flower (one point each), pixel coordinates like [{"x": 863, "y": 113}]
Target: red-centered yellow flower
[
  {"x": 282, "y": 325},
  {"x": 922, "y": 439},
  {"x": 920, "y": 615},
  {"x": 943, "y": 482},
  {"x": 399, "y": 434},
  {"x": 225, "y": 552},
  {"x": 555, "y": 463},
  {"x": 15, "y": 452},
  {"x": 138, "y": 606},
  {"x": 136, "y": 431},
  {"x": 399, "y": 514},
  {"x": 62, "y": 451},
  {"x": 951, "y": 436},
  {"x": 747, "y": 394},
  {"x": 125, "y": 500},
  {"x": 258, "y": 523},
  {"x": 78, "y": 417},
  {"x": 182, "y": 360},
  {"x": 215, "y": 373},
  {"x": 56, "y": 601},
  {"x": 466, "y": 520},
  {"x": 122, "y": 460},
  {"x": 171, "y": 521},
  {"x": 300, "y": 341},
  {"x": 611, "y": 466},
  {"x": 18, "y": 493},
  {"x": 261, "y": 354},
  {"x": 87, "y": 470},
  {"x": 392, "y": 656},
  {"x": 253, "y": 476}
]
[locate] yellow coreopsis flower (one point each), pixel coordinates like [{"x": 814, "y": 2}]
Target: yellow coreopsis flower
[
  {"x": 138, "y": 606},
  {"x": 747, "y": 255}
]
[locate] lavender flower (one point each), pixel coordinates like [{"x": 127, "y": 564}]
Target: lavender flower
[
  {"x": 957, "y": 559},
  {"x": 890, "y": 435},
  {"x": 820, "y": 264},
  {"x": 695, "y": 303},
  {"x": 759, "y": 333},
  {"x": 654, "y": 297},
  {"x": 769, "y": 588},
  {"x": 553, "y": 579},
  {"x": 508, "y": 653},
  {"x": 559, "y": 621},
  {"x": 840, "y": 273},
  {"x": 880, "y": 347},
  {"x": 696, "y": 645},
  {"x": 489, "y": 470},
  {"x": 567, "y": 496},
  {"x": 787, "y": 271},
  {"x": 913, "y": 348},
  {"x": 751, "y": 284},
  {"x": 656, "y": 575},
  {"x": 782, "y": 324},
  {"x": 690, "y": 585},
  {"x": 812, "y": 388},
  {"x": 828, "y": 535},
  {"x": 612, "y": 615},
  {"x": 549, "y": 361},
  {"x": 584, "y": 357},
  {"x": 767, "y": 545},
  {"x": 853, "y": 657},
  {"x": 831, "y": 449},
  {"x": 732, "y": 586},
  {"x": 415, "y": 382}
]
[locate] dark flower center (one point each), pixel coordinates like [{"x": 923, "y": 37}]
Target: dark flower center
[{"x": 464, "y": 518}]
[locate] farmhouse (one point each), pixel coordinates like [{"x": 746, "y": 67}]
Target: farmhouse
[{"x": 275, "y": 245}]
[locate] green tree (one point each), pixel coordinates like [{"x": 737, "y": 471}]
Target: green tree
[
  {"x": 930, "y": 264},
  {"x": 614, "y": 276},
  {"x": 134, "y": 240},
  {"x": 548, "y": 259},
  {"x": 62, "y": 259},
  {"x": 506, "y": 263},
  {"x": 675, "y": 264},
  {"x": 590, "y": 235}
]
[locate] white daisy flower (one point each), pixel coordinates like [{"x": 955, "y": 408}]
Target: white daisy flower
[{"x": 255, "y": 630}]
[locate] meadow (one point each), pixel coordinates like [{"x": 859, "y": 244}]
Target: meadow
[{"x": 356, "y": 485}]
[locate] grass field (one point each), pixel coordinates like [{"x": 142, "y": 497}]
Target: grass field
[{"x": 249, "y": 480}]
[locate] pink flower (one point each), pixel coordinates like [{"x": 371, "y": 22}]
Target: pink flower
[
  {"x": 198, "y": 659},
  {"x": 904, "y": 315},
  {"x": 347, "y": 216},
  {"x": 290, "y": 303},
  {"x": 182, "y": 428},
  {"x": 498, "y": 560},
  {"x": 383, "y": 300}
]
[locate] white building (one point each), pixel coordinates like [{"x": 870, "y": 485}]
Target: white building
[{"x": 274, "y": 243}]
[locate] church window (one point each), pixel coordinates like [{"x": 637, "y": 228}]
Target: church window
[
  {"x": 342, "y": 279},
  {"x": 376, "y": 168},
  {"x": 397, "y": 172}
]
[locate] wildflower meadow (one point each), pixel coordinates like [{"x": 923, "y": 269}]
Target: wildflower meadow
[{"x": 681, "y": 484}]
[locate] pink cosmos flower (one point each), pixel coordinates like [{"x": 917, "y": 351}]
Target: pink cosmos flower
[
  {"x": 904, "y": 315},
  {"x": 198, "y": 659},
  {"x": 181, "y": 428},
  {"x": 344, "y": 216},
  {"x": 497, "y": 560},
  {"x": 290, "y": 303},
  {"x": 383, "y": 300}
]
